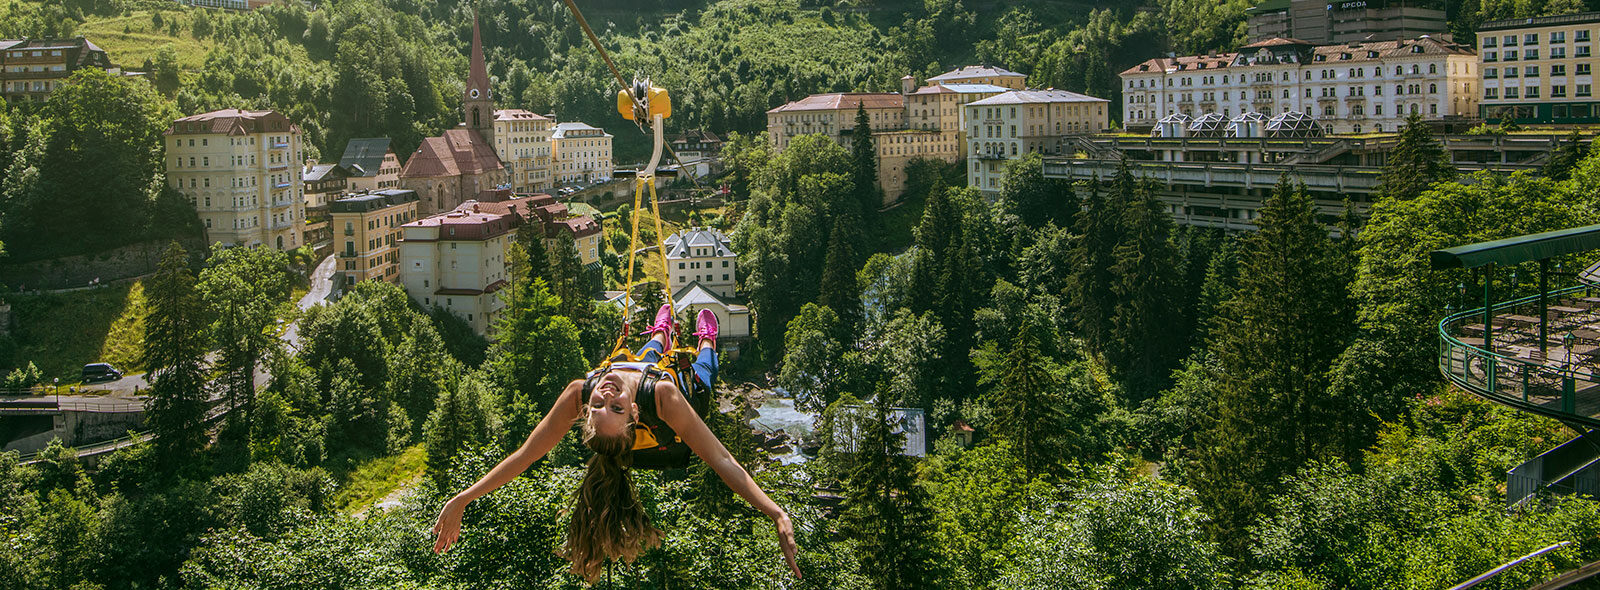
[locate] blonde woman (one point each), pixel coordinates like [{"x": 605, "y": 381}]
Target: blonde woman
[{"x": 622, "y": 412}]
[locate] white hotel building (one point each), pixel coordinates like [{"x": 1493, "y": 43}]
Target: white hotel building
[{"x": 1357, "y": 87}]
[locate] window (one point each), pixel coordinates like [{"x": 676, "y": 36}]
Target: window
[
  {"x": 1433, "y": 88},
  {"x": 1530, "y": 54},
  {"x": 1582, "y": 51},
  {"x": 1530, "y": 72},
  {"x": 1491, "y": 72},
  {"x": 1558, "y": 53},
  {"x": 1558, "y": 37},
  {"x": 1433, "y": 68},
  {"x": 1558, "y": 91},
  {"x": 1490, "y": 41},
  {"x": 1530, "y": 39},
  {"x": 1581, "y": 69},
  {"x": 1582, "y": 90},
  {"x": 1581, "y": 36},
  {"x": 1530, "y": 92},
  {"x": 1491, "y": 57},
  {"x": 1491, "y": 93},
  {"x": 1558, "y": 69},
  {"x": 1511, "y": 93}
]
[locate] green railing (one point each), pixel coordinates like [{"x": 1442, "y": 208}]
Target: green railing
[{"x": 1565, "y": 390}]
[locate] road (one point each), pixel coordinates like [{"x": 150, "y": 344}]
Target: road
[{"x": 131, "y": 387}]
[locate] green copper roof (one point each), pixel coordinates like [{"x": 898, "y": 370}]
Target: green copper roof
[{"x": 1519, "y": 249}]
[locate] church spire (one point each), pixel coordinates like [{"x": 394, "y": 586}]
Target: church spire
[{"x": 477, "y": 101}]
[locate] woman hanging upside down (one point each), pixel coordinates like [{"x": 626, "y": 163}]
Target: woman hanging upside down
[{"x": 608, "y": 521}]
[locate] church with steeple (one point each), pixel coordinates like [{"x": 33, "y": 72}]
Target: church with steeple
[{"x": 461, "y": 164}]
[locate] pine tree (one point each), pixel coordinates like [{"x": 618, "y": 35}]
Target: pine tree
[
  {"x": 1090, "y": 286},
  {"x": 175, "y": 351},
  {"x": 1564, "y": 158},
  {"x": 1283, "y": 328},
  {"x": 864, "y": 164},
  {"x": 1021, "y": 390},
  {"x": 568, "y": 282},
  {"x": 464, "y": 417},
  {"x": 840, "y": 291},
  {"x": 1142, "y": 349},
  {"x": 530, "y": 235},
  {"x": 885, "y": 510},
  {"x": 1416, "y": 163},
  {"x": 933, "y": 237}
]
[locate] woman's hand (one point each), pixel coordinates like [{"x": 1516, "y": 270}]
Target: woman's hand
[
  {"x": 448, "y": 527},
  {"x": 786, "y": 540}
]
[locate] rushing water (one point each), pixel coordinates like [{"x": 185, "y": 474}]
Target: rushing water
[{"x": 779, "y": 413}]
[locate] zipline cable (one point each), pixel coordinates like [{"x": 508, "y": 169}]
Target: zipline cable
[{"x": 622, "y": 82}]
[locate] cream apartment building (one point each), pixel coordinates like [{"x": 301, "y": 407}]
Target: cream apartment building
[
  {"x": 522, "y": 140},
  {"x": 242, "y": 172},
  {"x": 1004, "y": 127},
  {"x": 702, "y": 255},
  {"x": 367, "y": 233},
  {"x": 457, "y": 261},
  {"x": 580, "y": 153},
  {"x": 1356, "y": 87},
  {"x": 1540, "y": 70}
]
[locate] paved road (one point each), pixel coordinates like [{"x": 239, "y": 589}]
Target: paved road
[{"x": 131, "y": 387}]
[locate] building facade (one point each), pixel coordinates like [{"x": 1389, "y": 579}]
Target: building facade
[
  {"x": 1343, "y": 21},
  {"x": 1540, "y": 70},
  {"x": 31, "y": 69},
  {"x": 702, "y": 255},
  {"x": 241, "y": 171},
  {"x": 367, "y": 228},
  {"x": 695, "y": 143},
  {"x": 927, "y": 122},
  {"x": 1007, "y": 126},
  {"x": 522, "y": 140},
  {"x": 456, "y": 260},
  {"x": 1356, "y": 87},
  {"x": 371, "y": 163},
  {"x": 324, "y": 184},
  {"x": 580, "y": 153}
]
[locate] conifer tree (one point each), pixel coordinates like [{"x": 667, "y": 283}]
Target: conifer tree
[
  {"x": 1564, "y": 158},
  {"x": 1143, "y": 348},
  {"x": 1021, "y": 389},
  {"x": 463, "y": 418},
  {"x": 175, "y": 352},
  {"x": 933, "y": 237},
  {"x": 567, "y": 281},
  {"x": 864, "y": 165},
  {"x": 885, "y": 510},
  {"x": 1090, "y": 286},
  {"x": 530, "y": 235},
  {"x": 840, "y": 291},
  {"x": 1284, "y": 326},
  {"x": 1416, "y": 163}
]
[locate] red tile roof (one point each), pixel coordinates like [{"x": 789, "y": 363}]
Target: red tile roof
[
  {"x": 1188, "y": 62},
  {"x": 834, "y": 101},
  {"x": 232, "y": 122},
  {"x": 457, "y": 152},
  {"x": 518, "y": 115}
]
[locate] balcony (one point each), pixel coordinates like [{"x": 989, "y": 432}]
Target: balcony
[
  {"x": 1539, "y": 353},
  {"x": 281, "y": 186},
  {"x": 278, "y": 145}
]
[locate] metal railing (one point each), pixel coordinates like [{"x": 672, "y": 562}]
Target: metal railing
[{"x": 1527, "y": 379}]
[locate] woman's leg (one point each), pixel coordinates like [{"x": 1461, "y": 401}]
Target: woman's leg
[
  {"x": 705, "y": 362},
  {"x": 651, "y": 351}
]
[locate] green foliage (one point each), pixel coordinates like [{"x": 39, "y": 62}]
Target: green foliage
[
  {"x": 1034, "y": 200},
  {"x": 537, "y": 353},
  {"x": 1142, "y": 349},
  {"x": 884, "y": 510},
  {"x": 94, "y": 149},
  {"x": 175, "y": 351},
  {"x": 1415, "y": 164},
  {"x": 23, "y": 377},
  {"x": 243, "y": 288},
  {"x": 1280, "y": 332},
  {"x": 814, "y": 368},
  {"x": 1093, "y": 254},
  {"x": 466, "y": 417},
  {"x": 1115, "y": 531}
]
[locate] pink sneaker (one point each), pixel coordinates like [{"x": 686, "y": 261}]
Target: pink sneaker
[
  {"x": 664, "y": 321},
  {"x": 707, "y": 323}
]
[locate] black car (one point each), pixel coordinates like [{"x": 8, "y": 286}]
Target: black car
[{"x": 100, "y": 372}]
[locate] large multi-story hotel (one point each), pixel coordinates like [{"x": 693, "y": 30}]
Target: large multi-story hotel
[
  {"x": 1540, "y": 70},
  {"x": 367, "y": 230},
  {"x": 242, "y": 172},
  {"x": 580, "y": 153},
  {"x": 1355, "y": 87},
  {"x": 457, "y": 260},
  {"x": 926, "y": 122},
  {"x": 31, "y": 69},
  {"x": 1006, "y": 126},
  {"x": 522, "y": 140}
]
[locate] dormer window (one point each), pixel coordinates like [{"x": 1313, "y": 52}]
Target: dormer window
[
  {"x": 1372, "y": 55},
  {"x": 1344, "y": 56},
  {"x": 1321, "y": 57}
]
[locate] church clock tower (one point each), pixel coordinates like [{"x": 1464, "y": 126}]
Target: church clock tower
[{"x": 477, "y": 101}]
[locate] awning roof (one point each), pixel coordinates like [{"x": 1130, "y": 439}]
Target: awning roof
[{"x": 1519, "y": 249}]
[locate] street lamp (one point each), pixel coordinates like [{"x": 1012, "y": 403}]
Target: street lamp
[{"x": 1566, "y": 341}]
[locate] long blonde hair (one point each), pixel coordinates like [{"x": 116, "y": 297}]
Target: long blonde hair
[{"x": 608, "y": 521}]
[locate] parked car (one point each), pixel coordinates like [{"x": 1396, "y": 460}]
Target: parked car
[{"x": 100, "y": 372}]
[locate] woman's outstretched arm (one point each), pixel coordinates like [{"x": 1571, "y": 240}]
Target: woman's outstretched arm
[
  {"x": 678, "y": 414},
  {"x": 544, "y": 437}
]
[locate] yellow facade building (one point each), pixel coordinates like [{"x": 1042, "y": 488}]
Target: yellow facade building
[
  {"x": 242, "y": 172},
  {"x": 366, "y": 229},
  {"x": 1539, "y": 70},
  {"x": 580, "y": 153},
  {"x": 1007, "y": 126},
  {"x": 522, "y": 140}
]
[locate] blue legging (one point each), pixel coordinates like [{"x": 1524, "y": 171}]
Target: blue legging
[{"x": 705, "y": 362}]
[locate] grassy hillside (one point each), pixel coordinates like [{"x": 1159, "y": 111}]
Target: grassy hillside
[
  {"x": 61, "y": 332},
  {"x": 132, "y": 39}
]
